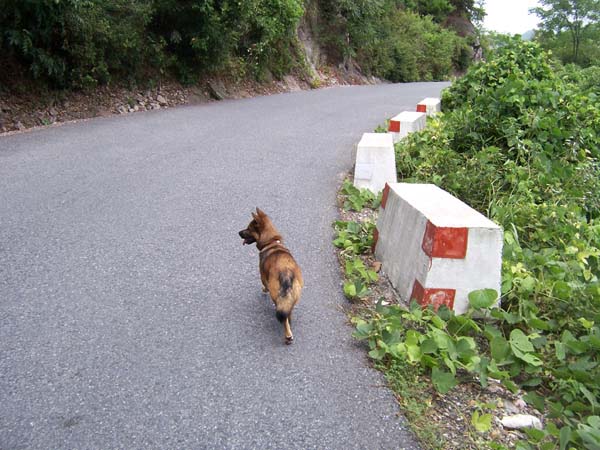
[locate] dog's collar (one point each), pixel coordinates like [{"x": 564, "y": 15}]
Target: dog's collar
[{"x": 270, "y": 245}]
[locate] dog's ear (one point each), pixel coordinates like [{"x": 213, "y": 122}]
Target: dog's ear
[{"x": 259, "y": 212}]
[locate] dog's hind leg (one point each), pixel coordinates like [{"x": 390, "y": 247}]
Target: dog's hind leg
[{"x": 289, "y": 337}]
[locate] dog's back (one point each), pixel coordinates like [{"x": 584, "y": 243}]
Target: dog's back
[{"x": 280, "y": 274}]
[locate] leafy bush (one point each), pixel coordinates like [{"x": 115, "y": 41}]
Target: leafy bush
[
  {"x": 587, "y": 80},
  {"x": 520, "y": 143},
  {"x": 392, "y": 41},
  {"x": 358, "y": 278},
  {"x": 356, "y": 199},
  {"x": 73, "y": 42},
  {"x": 84, "y": 42},
  {"x": 353, "y": 238},
  {"x": 208, "y": 35}
]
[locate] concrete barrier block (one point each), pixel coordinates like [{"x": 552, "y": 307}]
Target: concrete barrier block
[
  {"x": 375, "y": 162},
  {"x": 429, "y": 106},
  {"x": 435, "y": 248},
  {"x": 405, "y": 123}
]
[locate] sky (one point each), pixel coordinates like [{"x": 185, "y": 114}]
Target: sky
[{"x": 510, "y": 16}]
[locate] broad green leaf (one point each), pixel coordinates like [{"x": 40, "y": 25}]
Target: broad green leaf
[
  {"x": 377, "y": 353},
  {"x": 450, "y": 364},
  {"x": 589, "y": 396},
  {"x": 414, "y": 352},
  {"x": 565, "y": 437},
  {"x": 537, "y": 401},
  {"x": 438, "y": 322},
  {"x": 539, "y": 324},
  {"x": 531, "y": 359},
  {"x": 443, "y": 381},
  {"x": 484, "y": 298},
  {"x": 518, "y": 340},
  {"x": 363, "y": 328},
  {"x": 499, "y": 349},
  {"x": 350, "y": 290},
  {"x": 534, "y": 434},
  {"x": 510, "y": 385},
  {"x": 528, "y": 284},
  {"x": 481, "y": 422},
  {"x": 562, "y": 290},
  {"x": 429, "y": 346}
]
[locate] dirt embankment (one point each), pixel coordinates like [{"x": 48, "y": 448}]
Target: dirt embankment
[{"x": 25, "y": 105}]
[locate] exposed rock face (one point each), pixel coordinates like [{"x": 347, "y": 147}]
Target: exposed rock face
[{"x": 461, "y": 24}]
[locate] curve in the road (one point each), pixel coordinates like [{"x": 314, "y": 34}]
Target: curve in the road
[{"x": 130, "y": 314}]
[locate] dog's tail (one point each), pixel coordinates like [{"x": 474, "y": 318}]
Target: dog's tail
[{"x": 287, "y": 299}]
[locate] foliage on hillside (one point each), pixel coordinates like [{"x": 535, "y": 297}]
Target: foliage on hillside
[
  {"x": 570, "y": 29},
  {"x": 520, "y": 143},
  {"x": 85, "y": 42},
  {"x": 81, "y": 43},
  {"x": 396, "y": 40}
]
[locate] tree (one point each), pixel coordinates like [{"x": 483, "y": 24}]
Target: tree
[{"x": 572, "y": 16}]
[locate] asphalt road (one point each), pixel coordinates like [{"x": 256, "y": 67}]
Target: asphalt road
[{"x": 132, "y": 317}]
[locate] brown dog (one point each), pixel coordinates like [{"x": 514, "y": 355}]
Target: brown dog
[{"x": 279, "y": 273}]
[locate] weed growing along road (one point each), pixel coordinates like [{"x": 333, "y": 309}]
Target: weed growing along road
[{"x": 519, "y": 141}]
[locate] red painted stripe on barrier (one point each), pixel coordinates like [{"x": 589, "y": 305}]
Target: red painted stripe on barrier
[
  {"x": 384, "y": 196},
  {"x": 394, "y": 126},
  {"x": 445, "y": 242},
  {"x": 375, "y": 239},
  {"x": 422, "y": 108},
  {"x": 433, "y": 296}
]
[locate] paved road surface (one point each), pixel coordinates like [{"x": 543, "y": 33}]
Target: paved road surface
[{"x": 130, "y": 314}]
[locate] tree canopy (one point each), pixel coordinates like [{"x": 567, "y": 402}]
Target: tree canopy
[{"x": 574, "y": 17}]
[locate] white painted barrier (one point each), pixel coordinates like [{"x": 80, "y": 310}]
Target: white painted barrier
[
  {"x": 434, "y": 248},
  {"x": 375, "y": 162},
  {"x": 405, "y": 123},
  {"x": 430, "y": 106}
]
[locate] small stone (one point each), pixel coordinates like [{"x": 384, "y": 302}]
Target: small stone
[
  {"x": 216, "y": 90},
  {"x": 520, "y": 403},
  {"x": 520, "y": 421},
  {"x": 19, "y": 126},
  {"x": 513, "y": 407},
  {"x": 53, "y": 112},
  {"x": 291, "y": 83},
  {"x": 376, "y": 266},
  {"x": 160, "y": 99}
]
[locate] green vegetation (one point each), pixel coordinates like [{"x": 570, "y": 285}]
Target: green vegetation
[
  {"x": 356, "y": 239},
  {"x": 396, "y": 40},
  {"x": 570, "y": 28},
  {"x": 356, "y": 199},
  {"x": 520, "y": 142},
  {"x": 83, "y": 43}
]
